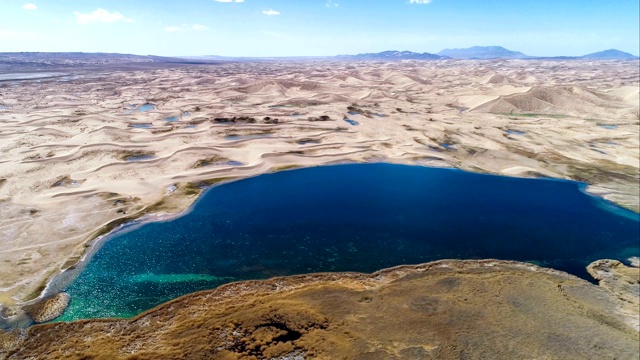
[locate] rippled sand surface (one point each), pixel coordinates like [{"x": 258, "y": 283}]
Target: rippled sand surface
[{"x": 78, "y": 159}]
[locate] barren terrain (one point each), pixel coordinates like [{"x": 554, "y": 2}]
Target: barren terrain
[
  {"x": 78, "y": 159},
  {"x": 441, "y": 310}
]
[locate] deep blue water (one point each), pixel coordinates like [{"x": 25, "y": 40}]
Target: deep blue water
[{"x": 358, "y": 217}]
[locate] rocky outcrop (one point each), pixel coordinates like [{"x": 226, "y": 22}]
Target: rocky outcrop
[
  {"x": 442, "y": 310},
  {"x": 622, "y": 281},
  {"x": 48, "y": 308}
]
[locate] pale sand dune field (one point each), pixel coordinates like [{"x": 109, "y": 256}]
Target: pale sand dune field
[{"x": 67, "y": 175}]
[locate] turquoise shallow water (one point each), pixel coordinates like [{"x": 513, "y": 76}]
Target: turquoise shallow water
[{"x": 362, "y": 217}]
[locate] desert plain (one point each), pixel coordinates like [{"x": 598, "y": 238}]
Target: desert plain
[{"x": 80, "y": 156}]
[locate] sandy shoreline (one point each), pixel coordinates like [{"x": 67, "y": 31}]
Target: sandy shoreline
[{"x": 66, "y": 178}]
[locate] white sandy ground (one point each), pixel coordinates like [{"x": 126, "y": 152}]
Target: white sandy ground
[{"x": 74, "y": 133}]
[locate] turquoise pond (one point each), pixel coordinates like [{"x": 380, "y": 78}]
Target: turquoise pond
[
  {"x": 142, "y": 108},
  {"x": 356, "y": 217}
]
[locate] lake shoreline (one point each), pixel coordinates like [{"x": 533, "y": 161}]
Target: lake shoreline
[
  {"x": 59, "y": 281},
  {"x": 232, "y": 305}
]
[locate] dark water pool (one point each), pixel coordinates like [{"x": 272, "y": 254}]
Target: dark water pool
[
  {"x": 514, "y": 132},
  {"x": 448, "y": 146},
  {"x": 139, "y": 158},
  {"x": 358, "y": 217}
]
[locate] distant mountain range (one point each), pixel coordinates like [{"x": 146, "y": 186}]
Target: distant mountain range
[
  {"x": 611, "y": 54},
  {"x": 475, "y": 52},
  {"x": 62, "y": 60},
  {"x": 394, "y": 55},
  {"x": 48, "y": 60},
  {"x": 482, "y": 52}
]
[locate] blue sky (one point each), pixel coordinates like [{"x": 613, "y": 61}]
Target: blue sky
[{"x": 317, "y": 27}]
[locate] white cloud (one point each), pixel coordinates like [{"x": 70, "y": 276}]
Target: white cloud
[
  {"x": 30, "y": 7},
  {"x": 198, "y": 27},
  {"x": 229, "y": 1},
  {"x": 331, "y": 3},
  {"x": 100, "y": 15},
  {"x": 419, "y": 1},
  {"x": 173, "y": 29},
  {"x": 271, "y": 12}
]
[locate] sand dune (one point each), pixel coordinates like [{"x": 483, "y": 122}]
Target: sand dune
[
  {"x": 560, "y": 100},
  {"x": 628, "y": 94},
  {"x": 79, "y": 159}
]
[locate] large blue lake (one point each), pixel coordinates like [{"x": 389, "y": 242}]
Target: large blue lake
[{"x": 362, "y": 217}]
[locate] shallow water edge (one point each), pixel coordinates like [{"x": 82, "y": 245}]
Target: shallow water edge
[{"x": 60, "y": 281}]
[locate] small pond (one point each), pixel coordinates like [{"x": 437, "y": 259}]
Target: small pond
[
  {"x": 514, "y": 132},
  {"x": 143, "y": 108}
]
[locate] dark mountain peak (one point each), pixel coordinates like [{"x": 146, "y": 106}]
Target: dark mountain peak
[{"x": 611, "y": 54}]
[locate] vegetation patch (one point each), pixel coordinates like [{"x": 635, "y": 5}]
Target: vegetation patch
[
  {"x": 320, "y": 118},
  {"x": 131, "y": 154},
  {"x": 235, "y": 120},
  {"x": 209, "y": 161},
  {"x": 239, "y": 132},
  {"x": 602, "y": 172},
  {"x": 196, "y": 187},
  {"x": 305, "y": 141},
  {"x": 285, "y": 167}
]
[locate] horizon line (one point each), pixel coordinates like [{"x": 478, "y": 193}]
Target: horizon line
[{"x": 525, "y": 56}]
